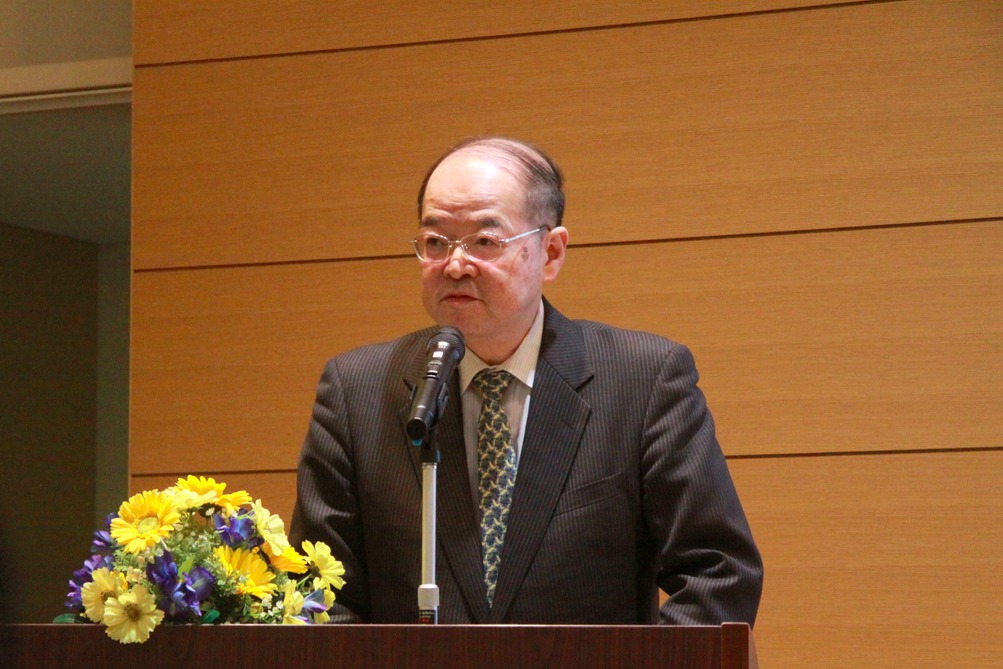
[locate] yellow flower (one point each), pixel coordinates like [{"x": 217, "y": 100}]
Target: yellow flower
[
  {"x": 144, "y": 520},
  {"x": 186, "y": 498},
  {"x": 271, "y": 528},
  {"x": 255, "y": 578},
  {"x": 201, "y": 486},
  {"x": 324, "y": 565},
  {"x": 131, "y": 616},
  {"x": 207, "y": 490},
  {"x": 232, "y": 502},
  {"x": 289, "y": 560},
  {"x": 292, "y": 604},
  {"x": 106, "y": 584},
  {"x": 323, "y": 616}
]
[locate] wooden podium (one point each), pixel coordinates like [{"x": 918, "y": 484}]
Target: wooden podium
[{"x": 728, "y": 646}]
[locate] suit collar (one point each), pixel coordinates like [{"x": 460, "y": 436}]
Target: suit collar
[{"x": 554, "y": 429}]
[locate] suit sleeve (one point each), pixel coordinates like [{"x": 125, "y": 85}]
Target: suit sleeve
[
  {"x": 327, "y": 506},
  {"x": 708, "y": 563}
]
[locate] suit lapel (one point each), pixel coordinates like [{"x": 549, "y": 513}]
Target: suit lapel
[{"x": 554, "y": 428}]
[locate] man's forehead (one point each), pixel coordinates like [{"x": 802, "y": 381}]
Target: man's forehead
[{"x": 479, "y": 156}]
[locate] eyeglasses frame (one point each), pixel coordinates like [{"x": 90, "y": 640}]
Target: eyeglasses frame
[{"x": 451, "y": 244}]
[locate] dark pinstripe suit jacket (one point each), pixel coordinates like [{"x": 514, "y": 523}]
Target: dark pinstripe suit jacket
[{"x": 622, "y": 488}]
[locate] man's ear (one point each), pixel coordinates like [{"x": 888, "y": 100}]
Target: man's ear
[{"x": 556, "y": 249}]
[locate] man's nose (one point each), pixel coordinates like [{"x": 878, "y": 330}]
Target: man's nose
[{"x": 457, "y": 263}]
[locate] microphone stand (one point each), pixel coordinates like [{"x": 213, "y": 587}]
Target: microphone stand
[
  {"x": 428, "y": 400},
  {"x": 428, "y": 591}
]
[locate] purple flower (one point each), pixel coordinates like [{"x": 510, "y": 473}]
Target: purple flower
[
  {"x": 82, "y": 577},
  {"x": 201, "y": 583},
  {"x": 103, "y": 544},
  {"x": 163, "y": 570},
  {"x": 314, "y": 602},
  {"x": 181, "y": 595},
  {"x": 239, "y": 530}
]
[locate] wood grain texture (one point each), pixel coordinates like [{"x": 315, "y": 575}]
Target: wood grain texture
[
  {"x": 841, "y": 341},
  {"x": 880, "y": 561},
  {"x": 876, "y": 114},
  {"x": 169, "y": 31},
  {"x": 858, "y": 343},
  {"x": 384, "y": 647}
]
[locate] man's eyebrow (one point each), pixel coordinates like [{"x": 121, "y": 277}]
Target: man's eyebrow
[{"x": 488, "y": 222}]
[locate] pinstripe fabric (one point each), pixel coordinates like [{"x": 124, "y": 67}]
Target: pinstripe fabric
[{"x": 622, "y": 488}]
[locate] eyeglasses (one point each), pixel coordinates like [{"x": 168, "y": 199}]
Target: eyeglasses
[{"x": 433, "y": 247}]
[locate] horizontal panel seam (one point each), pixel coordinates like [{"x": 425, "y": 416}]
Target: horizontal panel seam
[
  {"x": 639, "y": 242},
  {"x": 214, "y": 472},
  {"x": 836, "y": 454},
  {"x": 517, "y": 35}
]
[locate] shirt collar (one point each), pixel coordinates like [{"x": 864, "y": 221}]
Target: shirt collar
[{"x": 521, "y": 364}]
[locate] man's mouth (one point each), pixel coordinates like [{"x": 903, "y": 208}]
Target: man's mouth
[{"x": 458, "y": 298}]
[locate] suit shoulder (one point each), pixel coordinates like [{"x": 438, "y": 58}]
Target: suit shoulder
[
  {"x": 395, "y": 352},
  {"x": 623, "y": 341}
]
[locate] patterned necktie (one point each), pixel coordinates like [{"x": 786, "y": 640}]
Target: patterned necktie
[{"x": 496, "y": 470}]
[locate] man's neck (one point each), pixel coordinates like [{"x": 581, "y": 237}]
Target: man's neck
[{"x": 528, "y": 345}]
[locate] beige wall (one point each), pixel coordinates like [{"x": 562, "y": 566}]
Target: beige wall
[{"x": 810, "y": 199}]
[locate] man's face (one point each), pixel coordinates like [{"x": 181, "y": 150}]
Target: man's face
[{"x": 492, "y": 303}]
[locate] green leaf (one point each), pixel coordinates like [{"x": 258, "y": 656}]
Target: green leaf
[
  {"x": 187, "y": 565},
  {"x": 209, "y": 617},
  {"x": 65, "y": 618}
]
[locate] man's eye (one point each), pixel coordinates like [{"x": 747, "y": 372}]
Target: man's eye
[
  {"x": 486, "y": 241},
  {"x": 434, "y": 243}
]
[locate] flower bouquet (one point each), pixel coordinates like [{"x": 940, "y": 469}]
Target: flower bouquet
[{"x": 195, "y": 554}]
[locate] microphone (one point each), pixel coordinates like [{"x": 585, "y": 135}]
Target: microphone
[{"x": 445, "y": 350}]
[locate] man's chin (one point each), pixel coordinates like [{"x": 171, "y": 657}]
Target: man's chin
[{"x": 467, "y": 324}]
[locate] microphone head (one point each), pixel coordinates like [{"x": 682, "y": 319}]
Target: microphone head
[{"x": 449, "y": 336}]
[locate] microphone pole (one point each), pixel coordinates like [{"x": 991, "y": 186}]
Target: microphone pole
[
  {"x": 428, "y": 591},
  {"x": 428, "y": 401}
]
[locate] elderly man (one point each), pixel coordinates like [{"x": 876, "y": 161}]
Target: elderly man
[{"x": 580, "y": 472}]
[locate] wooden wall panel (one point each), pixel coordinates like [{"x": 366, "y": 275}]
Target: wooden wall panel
[
  {"x": 878, "y": 561},
  {"x": 225, "y": 362},
  {"x": 845, "y": 341},
  {"x": 851, "y": 116},
  {"x": 169, "y": 31},
  {"x": 810, "y": 199}
]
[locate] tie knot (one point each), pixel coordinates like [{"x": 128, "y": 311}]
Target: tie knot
[{"x": 491, "y": 383}]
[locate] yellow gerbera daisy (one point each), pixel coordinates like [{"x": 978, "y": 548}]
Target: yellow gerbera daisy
[
  {"x": 292, "y": 604},
  {"x": 255, "y": 578},
  {"x": 289, "y": 560},
  {"x": 271, "y": 528},
  {"x": 189, "y": 499},
  {"x": 144, "y": 519},
  {"x": 106, "y": 584},
  {"x": 232, "y": 501},
  {"x": 131, "y": 616},
  {"x": 212, "y": 492},
  {"x": 200, "y": 485},
  {"x": 324, "y": 565}
]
